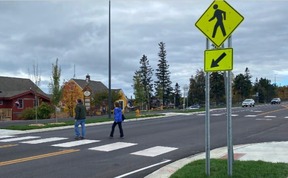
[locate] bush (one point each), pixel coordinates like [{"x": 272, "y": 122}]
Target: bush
[
  {"x": 44, "y": 111},
  {"x": 28, "y": 114}
]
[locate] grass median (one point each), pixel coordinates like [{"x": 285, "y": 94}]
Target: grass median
[{"x": 241, "y": 169}]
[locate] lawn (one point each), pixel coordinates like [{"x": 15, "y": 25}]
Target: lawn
[{"x": 241, "y": 169}]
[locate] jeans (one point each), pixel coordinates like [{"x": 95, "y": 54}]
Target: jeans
[{"x": 83, "y": 129}]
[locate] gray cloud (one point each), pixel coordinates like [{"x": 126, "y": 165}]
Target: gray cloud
[{"x": 39, "y": 32}]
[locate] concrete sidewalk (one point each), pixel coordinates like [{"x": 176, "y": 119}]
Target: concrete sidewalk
[{"x": 268, "y": 151}]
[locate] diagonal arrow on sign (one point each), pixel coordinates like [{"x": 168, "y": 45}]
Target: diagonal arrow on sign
[
  {"x": 214, "y": 63},
  {"x": 213, "y": 57}
]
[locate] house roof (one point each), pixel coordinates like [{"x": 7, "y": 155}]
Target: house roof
[
  {"x": 10, "y": 87},
  {"x": 95, "y": 86}
]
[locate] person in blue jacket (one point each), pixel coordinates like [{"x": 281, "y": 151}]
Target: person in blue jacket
[{"x": 117, "y": 120}]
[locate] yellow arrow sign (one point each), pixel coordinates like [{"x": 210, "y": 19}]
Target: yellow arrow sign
[
  {"x": 218, "y": 60},
  {"x": 219, "y": 21}
]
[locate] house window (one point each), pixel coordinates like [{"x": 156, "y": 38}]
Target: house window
[
  {"x": 1, "y": 102},
  {"x": 19, "y": 103}
]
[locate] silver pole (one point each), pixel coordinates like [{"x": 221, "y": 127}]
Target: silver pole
[
  {"x": 207, "y": 117},
  {"x": 109, "y": 97},
  {"x": 229, "y": 119}
]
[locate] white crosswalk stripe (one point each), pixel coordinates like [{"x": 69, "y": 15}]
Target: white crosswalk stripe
[
  {"x": 18, "y": 139},
  {"x": 150, "y": 152},
  {"x": 75, "y": 143},
  {"x": 44, "y": 140},
  {"x": 250, "y": 115},
  {"x": 154, "y": 151},
  {"x": 5, "y": 136},
  {"x": 112, "y": 146},
  {"x": 270, "y": 116}
]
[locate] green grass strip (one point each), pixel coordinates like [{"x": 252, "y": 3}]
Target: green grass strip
[{"x": 241, "y": 169}]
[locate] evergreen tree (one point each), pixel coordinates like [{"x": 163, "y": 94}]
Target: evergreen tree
[
  {"x": 139, "y": 89},
  {"x": 217, "y": 87},
  {"x": 197, "y": 88},
  {"x": 146, "y": 73},
  {"x": 177, "y": 95},
  {"x": 163, "y": 84},
  {"x": 243, "y": 85}
]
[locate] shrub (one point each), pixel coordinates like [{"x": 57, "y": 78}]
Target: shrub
[
  {"x": 44, "y": 111},
  {"x": 28, "y": 114}
]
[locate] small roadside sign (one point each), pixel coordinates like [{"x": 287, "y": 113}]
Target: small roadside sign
[
  {"x": 218, "y": 60},
  {"x": 219, "y": 21}
]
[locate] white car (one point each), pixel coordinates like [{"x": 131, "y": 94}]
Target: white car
[
  {"x": 248, "y": 102},
  {"x": 276, "y": 101}
]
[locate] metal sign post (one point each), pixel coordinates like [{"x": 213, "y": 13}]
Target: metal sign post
[
  {"x": 207, "y": 117},
  {"x": 229, "y": 119},
  {"x": 217, "y": 24}
]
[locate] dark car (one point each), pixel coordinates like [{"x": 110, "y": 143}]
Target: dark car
[{"x": 276, "y": 101}]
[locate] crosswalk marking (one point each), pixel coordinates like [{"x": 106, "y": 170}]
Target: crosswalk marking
[
  {"x": 250, "y": 115},
  {"x": 75, "y": 143},
  {"x": 234, "y": 115},
  {"x": 216, "y": 114},
  {"x": 270, "y": 116},
  {"x": 5, "y": 136},
  {"x": 113, "y": 146},
  {"x": 18, "y": 139},
  {"x": 44, "y": 140},
  {"x": 150, "y": 152},
  {"x": 154, "y": 151}
]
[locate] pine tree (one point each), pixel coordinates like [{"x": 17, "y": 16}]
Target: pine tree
[
  {"x": 146, "y": 73},
  {"x": 177, "y": 94},
  {"x": 163, "y": 84},
  {"x": 138, "y": 87}
]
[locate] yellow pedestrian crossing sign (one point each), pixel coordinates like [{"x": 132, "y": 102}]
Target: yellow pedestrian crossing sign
[
  {"x": 219, "y": 21},
  {"x": 218, "y": 60}
]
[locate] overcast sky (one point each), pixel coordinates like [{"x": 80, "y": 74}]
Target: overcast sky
[{"x": 76, "y": 32}]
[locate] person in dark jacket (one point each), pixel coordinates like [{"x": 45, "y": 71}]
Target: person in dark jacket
[
  {"x": 117, "y": 120},
  {"x": 80, "y": 116}
]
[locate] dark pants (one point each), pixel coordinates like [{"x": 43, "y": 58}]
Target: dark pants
[{"x": 120, "y": 129}]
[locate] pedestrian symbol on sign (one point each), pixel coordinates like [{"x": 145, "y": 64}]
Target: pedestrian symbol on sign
[
  {"x": 219, "y": 15},
  {"x": 219, "y": 21}
]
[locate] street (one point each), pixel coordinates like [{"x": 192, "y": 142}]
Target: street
[{"x": 148, "y": 144}]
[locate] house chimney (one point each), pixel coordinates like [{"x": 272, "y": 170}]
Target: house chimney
[{"x": 87, "y": 78}]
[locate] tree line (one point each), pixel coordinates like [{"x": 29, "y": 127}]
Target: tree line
[{"x": 150, "y": 94}]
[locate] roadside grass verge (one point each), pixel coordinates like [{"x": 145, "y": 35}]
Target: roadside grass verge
[
  {"x": 241, "y": 169},
  {"x": 60, "y": 123}
]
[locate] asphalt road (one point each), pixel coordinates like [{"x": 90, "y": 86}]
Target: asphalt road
[{"x": 147, "y": 146}]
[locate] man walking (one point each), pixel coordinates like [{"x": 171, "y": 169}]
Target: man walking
[{"x": 80, "y": 116}]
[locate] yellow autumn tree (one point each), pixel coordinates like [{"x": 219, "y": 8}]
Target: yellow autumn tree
[{"x": 71, "y": 92}]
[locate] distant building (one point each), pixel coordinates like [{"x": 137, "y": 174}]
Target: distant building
[
  {"x": 18, "y": 94},
  {"x": 86, "y": 90}
]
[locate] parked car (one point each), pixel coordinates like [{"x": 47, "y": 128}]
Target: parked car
[
  {"x": 276, "y": 101},
  {"x": 195, "y": 106},
  {"x": 248, "y": 102}
]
